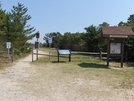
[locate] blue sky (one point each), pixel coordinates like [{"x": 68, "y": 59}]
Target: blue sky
[{"x": 72, "y": 15}]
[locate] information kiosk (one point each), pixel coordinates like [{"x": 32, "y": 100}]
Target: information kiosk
[{"x": 119, "y": 34}]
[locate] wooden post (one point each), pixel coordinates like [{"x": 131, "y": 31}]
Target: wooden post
[
  {"x": 37, "y": 52},
  {"x": 49, "y": 55},
  {"x": 100, "y": 55},
  {"x": 12, "y": 55},
  {"x": 69, "y": 57},
  {"x": 126, "y": 56},
  {"x": 58, "y": 57},
  {"x": 122, "y": 52},
  {"x": 108, "y": 51},
  {"x": 32, "y": 54},
  {"x": 8, "y": 55},
  {"x": 37, "y": 36}
]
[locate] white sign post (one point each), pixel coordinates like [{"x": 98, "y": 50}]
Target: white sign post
[
  {"x": 49, "y": 41},
  {"x": 8, "y": 46}
]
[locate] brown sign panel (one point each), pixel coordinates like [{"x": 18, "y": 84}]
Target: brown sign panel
[{"x": 37, "y": 35}]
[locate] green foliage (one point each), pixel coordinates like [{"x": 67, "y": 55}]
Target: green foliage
[
  {"x": 129, "y": 43},
  {"x": 18, "y": 32},
  {"x": 14, "y": 28},
  {"x": 2, "y": 23},
  {"x": 3, "y": 29},
  {"x": 73, "y": 41},
  {"x": 102, "y": 41},
  {"x": 104, "y": 24},
  {"x": 89, "y": 41},
  {"x": 122, "y": 24},
  {"x": 92, "y": 38},
  {"x": 56, "y": 37}
]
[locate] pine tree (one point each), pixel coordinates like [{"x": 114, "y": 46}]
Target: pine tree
[
  {"x": 2, "y": 29},
  {"x": 18, "y": 32},
  {"x": 2, "y": 22}
]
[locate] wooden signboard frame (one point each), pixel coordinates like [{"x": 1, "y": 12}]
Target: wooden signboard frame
[{"x": 119, "y": 49}]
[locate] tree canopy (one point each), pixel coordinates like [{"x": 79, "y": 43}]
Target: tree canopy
[{"x": 14, "y": 27}]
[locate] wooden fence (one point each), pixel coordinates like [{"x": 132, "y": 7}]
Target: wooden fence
[
  {"x": 7, "y": 55},
  {"x": 100, "y": 55}
]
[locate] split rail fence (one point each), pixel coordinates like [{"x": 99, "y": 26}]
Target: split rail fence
[
  {"x": 100, "y": 55},
  {"x": 9, "y": 55}
]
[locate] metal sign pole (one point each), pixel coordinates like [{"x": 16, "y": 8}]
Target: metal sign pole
[
  {"x": 8, "y": 55},
  {"x": 32, "y": 54},
  {"x": 49, "y": 50},
  {"x": 37, "y": 36},
  {"x": 37, "y": 52},
  {"x": 49, "y": 41},
  {"x": 8, "y": 45}
]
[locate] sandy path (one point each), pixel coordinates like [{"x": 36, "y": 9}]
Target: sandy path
[{"x": 11, "y": 80}]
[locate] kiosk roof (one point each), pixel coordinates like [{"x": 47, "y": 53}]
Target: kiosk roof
[{"x": 117, "y": 32}]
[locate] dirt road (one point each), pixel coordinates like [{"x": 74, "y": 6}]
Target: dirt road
[{"x": 11, "y": 80}]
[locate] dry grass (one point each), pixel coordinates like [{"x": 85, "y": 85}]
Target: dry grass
[
  {"x": 83, "y": 77},
  {"x": 4, "y": 63}
]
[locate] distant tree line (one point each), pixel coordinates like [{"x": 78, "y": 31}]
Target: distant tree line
[
  {"x": 90, "y": 40},
  {"x": 14, "y": 28}
]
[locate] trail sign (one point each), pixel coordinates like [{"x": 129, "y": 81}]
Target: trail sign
[
  {"x": 37, "y": 35},
  {"x": 50, "y": 40},
  {"x": 64, "y": 52},
  {"x": 115, "y": 48},
  {"x": 36, "y": 44},
  {"x": 8, "y": 45}
]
